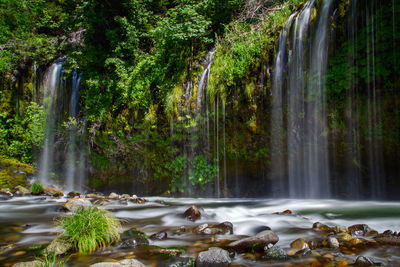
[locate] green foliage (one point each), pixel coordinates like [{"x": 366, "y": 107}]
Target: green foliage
[
  {"x": 19, "y": 136},
  {"x": 89, "y": 228},
  {"x": 51, "y": 260},
  {"x": 199, "y": 172},
  {"x": 245, "y": 45},
  {"x": 36, "y": 188}
]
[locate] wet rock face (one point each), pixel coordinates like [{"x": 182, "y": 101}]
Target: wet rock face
[
  {"x": 192, "y": 214},
  {"x": 214, "y": 229},
  {"x": 123, "y": 263},
  {"x": 255, "y": 243},
  {"x": 159, "y": 236},
  {"x": 213, "y": 257}
]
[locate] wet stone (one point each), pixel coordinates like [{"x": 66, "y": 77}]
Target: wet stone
[
  {"x": 299, "y": 243},
  {"x": 276, "y": 253},
  {"x": 362, "y": 261},
  {"x": 113, "y": 196},
  {"x": 255, "y": 243},
  {"x": 359, "y": 229},
  {"x": 333, "y": 242},
  {"x": 213, "y": 257},
  {"x": 179, "y": 262},
  {"x": 74, "y": 204},
  {"x": 159, "y": 236},
  {"x": 304, "y": 252},
  {"x": 73, "y": 194},
  {"x": 192, "y": 213}
]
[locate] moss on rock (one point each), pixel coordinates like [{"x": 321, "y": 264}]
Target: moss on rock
[{"x": 14, "y": 173}]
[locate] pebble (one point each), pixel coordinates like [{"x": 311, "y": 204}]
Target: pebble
[{"x": 299, "y": 243}]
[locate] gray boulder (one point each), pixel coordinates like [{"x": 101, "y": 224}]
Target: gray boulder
[
  {"x": 213, "y": 257},
  {"x": 123, "y": 263}
]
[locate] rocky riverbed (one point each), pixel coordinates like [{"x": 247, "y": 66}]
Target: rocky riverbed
[{"x": 209, "y": 232}]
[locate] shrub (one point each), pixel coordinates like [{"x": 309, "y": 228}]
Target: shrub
[
  {"x": 36, "y": 188},
  {"x": 89, "y": 228}
]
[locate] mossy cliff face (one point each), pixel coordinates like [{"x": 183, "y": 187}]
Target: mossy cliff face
[{"x": 14, "y": 173}]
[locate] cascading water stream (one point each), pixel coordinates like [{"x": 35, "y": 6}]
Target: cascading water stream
[
  {"x": 72, "y": 173},
  {"x": 306, "y": 127},
  {"x": 52, "y": 82}
]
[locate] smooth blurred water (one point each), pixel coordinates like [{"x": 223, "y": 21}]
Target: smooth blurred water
[{"x": 246, "y": 215}]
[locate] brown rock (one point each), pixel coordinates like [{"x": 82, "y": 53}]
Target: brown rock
[
  {"x": 255, "y": 243},
  {"x": 299, "y": 243},
  {"x": 192, "y": 213},
  {"x": 52, "y": 192}
]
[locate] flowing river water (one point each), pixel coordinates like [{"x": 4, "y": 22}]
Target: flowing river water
[{"x": 28, "y": 222}]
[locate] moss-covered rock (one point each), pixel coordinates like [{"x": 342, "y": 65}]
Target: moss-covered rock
[{"x": 14, "y": 173}]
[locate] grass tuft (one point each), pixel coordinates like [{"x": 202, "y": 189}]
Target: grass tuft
[
  {"x": 36, "y": 188},
  {"x": 89, "y": 228}
]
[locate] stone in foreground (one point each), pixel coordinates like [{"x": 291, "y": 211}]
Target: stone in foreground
[
  {"x": 213, "y": 257},
  {"x": 255, "y": 243},
  {"x": 28, "y": 264}
]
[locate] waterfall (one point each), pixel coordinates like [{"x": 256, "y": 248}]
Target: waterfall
[
  {"x": 277, "y": 143},
  {"x": 305, "y": 109},
  {"x": 51, "y": 85},
  {"x": 69, "y": 163},
  {"x": 72, "y": 169}
]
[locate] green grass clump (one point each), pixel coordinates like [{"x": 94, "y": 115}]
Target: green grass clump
[
  {"x": 89, "y": 228},
  {"x": 36, "y": 188},
  {"x": 51, "y": 260}
]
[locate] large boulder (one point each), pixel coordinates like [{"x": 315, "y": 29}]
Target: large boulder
[
  {"x": 192, "y": 213},
  {"x": 255, "y": 243},
  {"x": 123, "y": 263},
  {"x": 74, "y": 204},
  {"x": 213, "y": 257}
]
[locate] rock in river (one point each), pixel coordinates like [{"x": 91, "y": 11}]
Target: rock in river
[
  {"x": 159, "y": 236},
  {"x": 299, "y": 243},
  {"x": 75, "y": 203},
  {"x": 28, "y": 264},
  {"x": 255, "y": 243},
  {"x": 213, "y": 257},
  {"x": 276, "y": 253},
  {"x": 192, "y": 213}
]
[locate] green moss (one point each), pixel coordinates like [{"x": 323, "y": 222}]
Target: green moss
[{"x": 10, "y": 176}]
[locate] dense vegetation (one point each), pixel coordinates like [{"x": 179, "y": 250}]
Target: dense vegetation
[{"x": 142, "y": 61}]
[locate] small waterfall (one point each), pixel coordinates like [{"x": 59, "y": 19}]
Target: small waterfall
[
  {"x": 203, "y": 82},
  {"x": 51, "y": 85}
]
